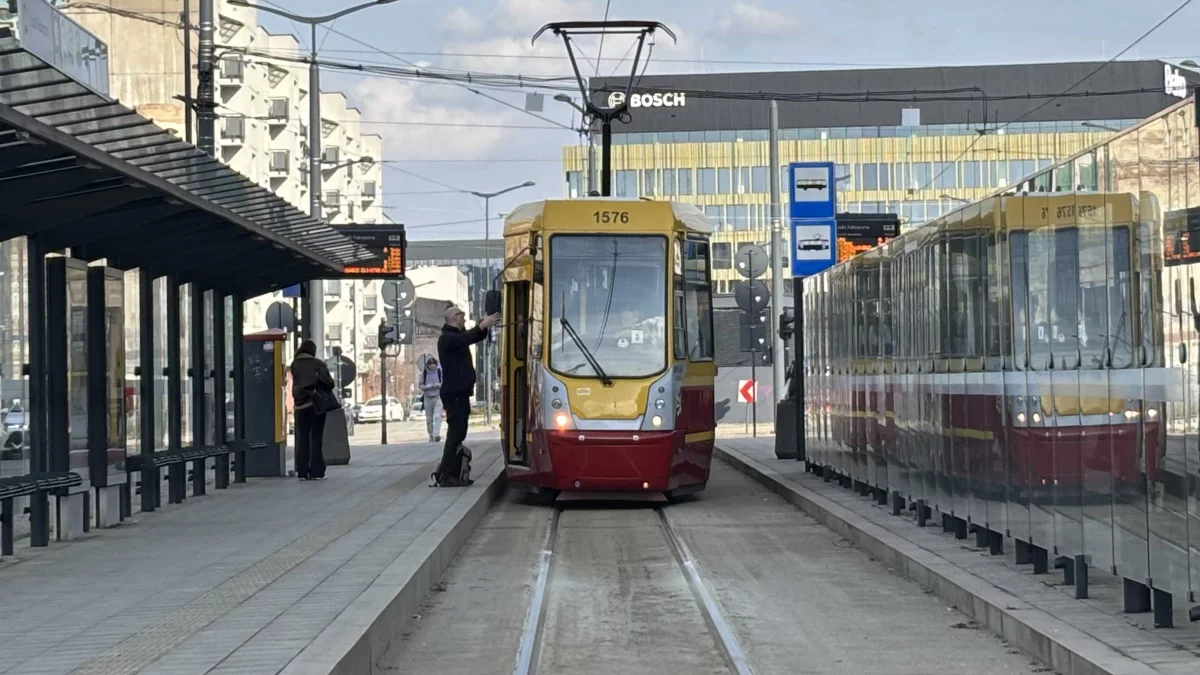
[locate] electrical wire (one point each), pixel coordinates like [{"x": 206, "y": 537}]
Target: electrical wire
[
  {"x": 600, "y": 53},
  {"x": 1065, "y": 93}
]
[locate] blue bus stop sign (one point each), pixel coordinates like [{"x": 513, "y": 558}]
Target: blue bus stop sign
[{"x": 812, "y": 198}]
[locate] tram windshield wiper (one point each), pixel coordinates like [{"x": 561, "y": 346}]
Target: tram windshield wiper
[{"x": 587, "y": 353}]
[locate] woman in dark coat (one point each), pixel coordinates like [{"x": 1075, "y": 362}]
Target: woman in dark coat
[{"x": 308, "y": 374}]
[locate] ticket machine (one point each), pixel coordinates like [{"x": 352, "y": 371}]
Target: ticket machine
[{"x": 266, "y": 414}]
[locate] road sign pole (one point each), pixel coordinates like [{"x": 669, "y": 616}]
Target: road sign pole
[
  {"x": 798, "y": 372},
  {"x": 778, "y": 377},
  {"x": 383, "y": 393},
  {"x": 754, "y": 394}
]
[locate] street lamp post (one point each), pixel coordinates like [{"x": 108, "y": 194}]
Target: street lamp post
[
  {"x": 586, "y": 130},
  {"x": 314, "y": 310},
  {"x": 487, "y": 245}
]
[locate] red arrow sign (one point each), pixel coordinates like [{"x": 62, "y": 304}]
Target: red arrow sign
[{"x": 746, "y": 391}]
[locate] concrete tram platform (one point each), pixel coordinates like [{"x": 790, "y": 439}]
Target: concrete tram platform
[
  {"x": 1033, "y": 613},
  {"x": 276, "y": 575}
]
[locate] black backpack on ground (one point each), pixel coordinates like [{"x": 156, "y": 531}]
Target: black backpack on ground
[{"x": 463, "y": 478}]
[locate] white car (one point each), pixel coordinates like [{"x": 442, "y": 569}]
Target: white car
[
  {"x": 372, "y": 410},
  {"x": 417, "y": 411}
]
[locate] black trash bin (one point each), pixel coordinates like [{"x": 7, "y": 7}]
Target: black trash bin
[{"x": 786, "y": 446}]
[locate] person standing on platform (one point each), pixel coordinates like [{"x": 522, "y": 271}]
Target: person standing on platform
[
  {"x": 309, "y": 374},
  {"x": 431, "y": 397},
  {"x": 458, "y": 383}
]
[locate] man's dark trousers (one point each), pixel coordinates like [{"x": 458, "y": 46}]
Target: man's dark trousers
[{"x": 458, "y": 411}]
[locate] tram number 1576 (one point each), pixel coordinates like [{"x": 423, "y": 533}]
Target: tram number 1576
[{"x": 607, "y": 217}]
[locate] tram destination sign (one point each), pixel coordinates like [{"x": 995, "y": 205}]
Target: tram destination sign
[{"x": 389, "y": 242}]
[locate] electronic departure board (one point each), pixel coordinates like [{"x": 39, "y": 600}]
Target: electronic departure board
[
  {"x": 388, "y": 241},
  {"x": 859, "y": 232}
]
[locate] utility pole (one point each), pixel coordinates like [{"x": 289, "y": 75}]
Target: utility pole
[
  {"x": 187, "y": 71},
  {"x": 778, "y": 375},
  {"x": 314, "y": 299},
  {"x": 206, "y": 105},
  {"x": 313, "y": 302},
  {"x": 385, "y": 338}
]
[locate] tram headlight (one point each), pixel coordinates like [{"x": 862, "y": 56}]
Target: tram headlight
[
  {"x": 656, "y": 421},
  {"x": 1131, "y": 414},
  {"x": 1151, "y": 413},
  {"x": 1021, "y": 418},
  {"x": 556, "y": 403},
  {"x": 660, "y": 404},
  {"x": 1037, "y": 418},
  {"x": 560, "y": 420}
]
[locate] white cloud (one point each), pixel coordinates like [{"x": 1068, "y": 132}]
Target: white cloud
[{"x": 743, "y": 22}]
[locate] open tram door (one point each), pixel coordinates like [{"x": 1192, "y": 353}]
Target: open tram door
[{"x": 521, "y": 292}]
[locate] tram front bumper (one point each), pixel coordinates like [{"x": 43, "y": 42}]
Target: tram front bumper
[{"x": 612, "y": 460}]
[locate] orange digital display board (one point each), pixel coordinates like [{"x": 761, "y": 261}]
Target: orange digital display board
[
  {"x": 392, "y": 265},
  {"x": 848, "y": 248}
]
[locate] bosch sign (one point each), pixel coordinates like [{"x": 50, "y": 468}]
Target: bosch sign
[{"x": 658, "y": 100}]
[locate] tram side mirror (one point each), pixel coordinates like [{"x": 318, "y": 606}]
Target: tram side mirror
[
  {"x": 539, "y": 274},
  {"x": 491, "y": 303}
]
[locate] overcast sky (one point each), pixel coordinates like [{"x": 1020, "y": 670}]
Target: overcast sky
[{"x": 493, "y": 36}]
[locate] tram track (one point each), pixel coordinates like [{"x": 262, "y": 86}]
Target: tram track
[{"x": 532, "y": 638}]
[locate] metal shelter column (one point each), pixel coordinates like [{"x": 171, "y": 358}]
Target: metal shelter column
[
  {"x": 146, "y": 372},
  {"x": 39, "y": 443},
  {"x": 198, "y": 369},
  {"x": 174, "y": 385}
]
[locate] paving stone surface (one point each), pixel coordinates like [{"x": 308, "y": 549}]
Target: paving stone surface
[{"x": 236, "y": 581}]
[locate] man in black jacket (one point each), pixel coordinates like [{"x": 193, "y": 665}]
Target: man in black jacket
[{"x": 458, "y": 383}]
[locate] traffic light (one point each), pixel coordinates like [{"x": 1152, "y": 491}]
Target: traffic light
[
  {"x": 787, "y": 323},
  {"x": 404, "y": 330},
  {"x": 387, "y": 334}
]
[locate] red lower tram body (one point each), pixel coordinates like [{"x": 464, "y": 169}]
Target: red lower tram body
[
  {"x": 622, "y": 463},
  {"x": 982, "y": 438}
]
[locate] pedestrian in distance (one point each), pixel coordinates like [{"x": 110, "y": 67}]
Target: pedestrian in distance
[
  {"x": 312, "y": 394},
  {"x": 431, "y": 397},
  {"x": 458, "y": 383}
]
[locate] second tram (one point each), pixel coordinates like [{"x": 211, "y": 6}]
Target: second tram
[{"x": 607, "y": 348}]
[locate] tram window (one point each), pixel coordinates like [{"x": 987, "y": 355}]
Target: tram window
[
  {"x": 886, "y": 329},
  {"x": 1094, "y": 342},
  {"x": 679, "y": 309},
  {"x": 1018, "y": 242},
  {"x": 519, "y": 301},
  {"x": 698, "y": 298},
  {"x": 993, "y": 312},
  {"x": 1064, "y": 314},
  {"x": 1041, "y": 328},
  {"x": 1120, "y": 299}
]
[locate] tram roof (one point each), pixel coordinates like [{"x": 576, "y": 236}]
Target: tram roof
[{"x": 532, "y": 216}]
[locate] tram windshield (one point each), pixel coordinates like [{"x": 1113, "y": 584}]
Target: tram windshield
[{"x": 612, "y": 291}]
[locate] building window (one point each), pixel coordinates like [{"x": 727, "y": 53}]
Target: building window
[
  {"x": 573, "y": 184},
  {"x": 743, "y": 181},
  {"x": 724, "y": 186},
  {"x": 370, "y": 303},
  {"x": 739, "y": 216},
  {"x": 684, "y": 181},
  {"x": 668, "y": 180},
  {"x": 648, "y": 182},
  {"x": 722, "y": 256},
  {"x": 715, "y": 214},
  {"x": 234, "y": 127},
  {"x": 870, "y": 176},
  {"x": 627, "y": 184},
  {"x": 971, "y": 178},
  {"x": 333, "y": 288},
  {"x": 708, "y": 181},
  {"x": 278, "y": 109},
  {"x": 333, "y": 332},
  {"x": 759, "y": 179},
  {"x": 279, "y": 160}
]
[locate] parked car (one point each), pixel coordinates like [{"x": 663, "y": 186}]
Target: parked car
[
  {"x": 372, "y": 410},
  {"x": 416, "y": 411}
]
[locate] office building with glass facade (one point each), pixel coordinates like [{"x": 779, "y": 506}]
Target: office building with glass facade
[{"x": 913, "y": 141}]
